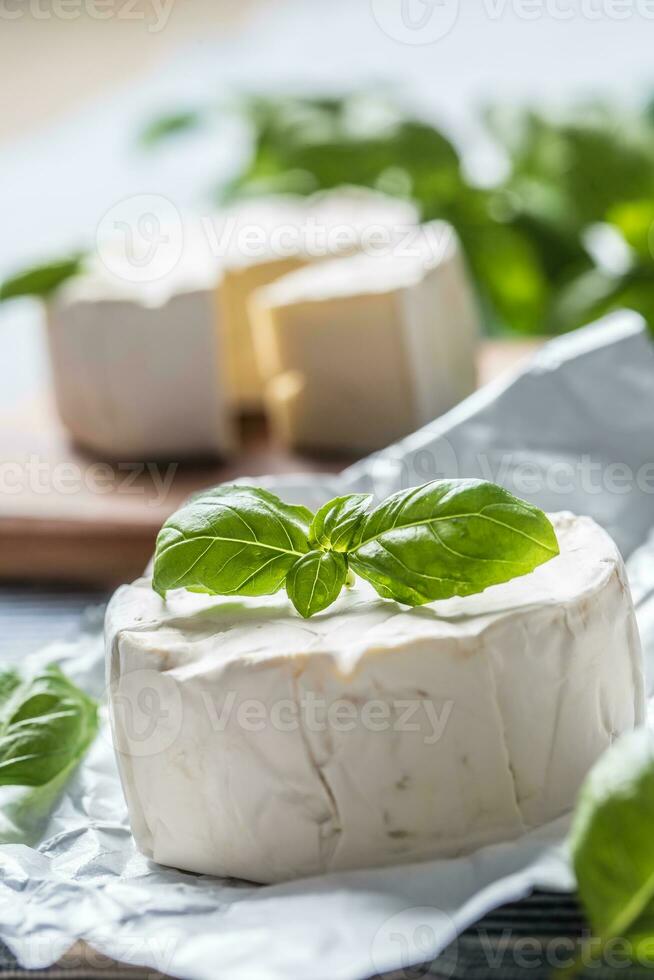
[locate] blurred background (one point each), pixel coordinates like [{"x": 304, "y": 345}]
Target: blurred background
[
  {"x": 547, "y": 102},
  {"x": 526, "y": 125}
]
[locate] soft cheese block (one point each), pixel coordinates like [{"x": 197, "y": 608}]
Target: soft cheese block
[
  {"x": 256, "y": 744},
  {"x": 360, "y": 351},
  {"x": 263, "y": 239},
  {"x": 138, "y": 369}
]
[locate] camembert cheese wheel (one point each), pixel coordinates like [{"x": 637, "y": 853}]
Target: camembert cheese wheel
[{"x": 255, "y": 744}]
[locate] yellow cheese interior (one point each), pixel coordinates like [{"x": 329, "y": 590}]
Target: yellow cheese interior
[
  {"x": 234, "y": 291},
  {"x": 325, "y": 360}
]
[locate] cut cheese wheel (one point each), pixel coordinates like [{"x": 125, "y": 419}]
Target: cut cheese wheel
[
  {"x": 255, "y": 744},
  {"x": 266, "y": 238},
  {"x": 360, "y": 351},
  {"x": 146, "y": 368}
]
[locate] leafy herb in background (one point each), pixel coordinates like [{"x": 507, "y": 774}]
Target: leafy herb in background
[
  {"x": 172, "y": 125},
  {"x": 446, "y": 538},
  {"x": 41, "y": 280},
  {"x": 46, "y": 726},
  {"x": 612, "y": 842},
  {"x": 524, "y": 237}
]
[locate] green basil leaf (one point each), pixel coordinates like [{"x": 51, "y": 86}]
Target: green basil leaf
[
  {"x": 234, "y": 540},
  {"x": 450, "y": 537},
  {"x": 314, "y": 143},
  {"x": 46, "y": 725},
  {"x": 41, "y": 280},
  {"x": 612, "y": 844},
  {"x": 315, "y": 581},
  {"x": 163, "y": 127},
  {"x": 336, "y": 523},
  {"x": 635, "y": 220},
  {"x": 9, "y": 682}
]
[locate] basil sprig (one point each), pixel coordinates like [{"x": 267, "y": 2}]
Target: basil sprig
[
  {"x": 612, "y": 843},
  {"x": 446, "y": 538}
]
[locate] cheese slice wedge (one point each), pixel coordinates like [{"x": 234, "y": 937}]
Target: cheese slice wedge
[
  {"x": 255, "y": 744},
  {"x": 261, "y": 240},
  {"x": 360, "y": 351}
]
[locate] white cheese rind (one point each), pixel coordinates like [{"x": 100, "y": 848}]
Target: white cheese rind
[
  {"x": 459, "y": 723},
  {"x": 139, "y": 379},
  {"x": 360, "y": 351}
]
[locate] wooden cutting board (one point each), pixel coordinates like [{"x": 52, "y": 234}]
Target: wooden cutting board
[{"x": 67, "y": 517}]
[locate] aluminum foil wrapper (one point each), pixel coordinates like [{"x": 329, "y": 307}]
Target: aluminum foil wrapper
[{"x": 572, "y": 431}]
